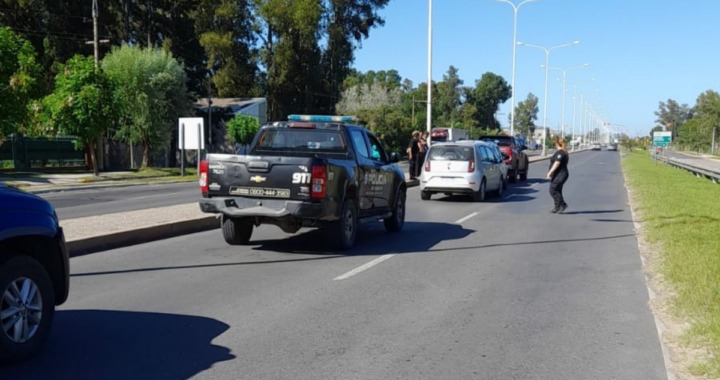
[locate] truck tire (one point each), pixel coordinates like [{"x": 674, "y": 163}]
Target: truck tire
[
  {"x": 344, "y": 231},
  {"x": 513, "y": 174},
  {"x": 236, "y": 231},
  {"x": 396, "y": 222},
  {"x": 524, "y": 174},
  {"x": 38, "y": 310}
]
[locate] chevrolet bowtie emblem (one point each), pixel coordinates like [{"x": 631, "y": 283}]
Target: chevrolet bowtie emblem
[{"x": 258, "y": 179}]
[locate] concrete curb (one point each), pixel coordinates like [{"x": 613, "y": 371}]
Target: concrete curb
[
  {"x": 114, "y": 240},
  {"x": 98, "y": 187}
]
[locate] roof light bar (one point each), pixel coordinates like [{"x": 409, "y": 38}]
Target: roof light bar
[{"x": 322, "y": 118}]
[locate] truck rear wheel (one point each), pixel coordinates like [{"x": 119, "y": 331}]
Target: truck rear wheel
[
  {"x": 236, "y": 231},
  {"x": 344, "y": 231}
]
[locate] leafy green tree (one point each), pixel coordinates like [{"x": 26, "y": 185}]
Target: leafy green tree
[
  {"x": 449, "y": 97},
  {"x": 150, "y": 93},
  {"x": 673, "y": 115},
  {"x": 81, "y": 104},
  {"x": 242, "y": 129},
  {"x": 19, "y": 74},
  {"x": 225, "y": 31},
  {"x": 525, "y": 115},
  {"x": 490, "y": 91}
]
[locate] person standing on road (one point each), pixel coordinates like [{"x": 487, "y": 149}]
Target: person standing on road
[
  {"x": 413, "y": 151},
  {"x": 422, "y": 151},
  {"x": 558, "y": 175}
]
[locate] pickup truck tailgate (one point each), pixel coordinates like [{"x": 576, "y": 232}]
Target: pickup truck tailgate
[{"x": 259, "y": 177}]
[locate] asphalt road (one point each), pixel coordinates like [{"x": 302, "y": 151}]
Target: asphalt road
[
  {"x": 500, "y": 290},
  {"x": 82, "y": 203}
]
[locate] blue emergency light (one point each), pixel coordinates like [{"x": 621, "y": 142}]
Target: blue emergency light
[{"x": 322, "y": 118}]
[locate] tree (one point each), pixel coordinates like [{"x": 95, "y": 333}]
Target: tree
[
  {"x": 19, "y": 73},
  {"x": 490, "y": 91},
  {"x": 225, "y": 31},
  {"x": 81, "y": 104},
  {"x": 151, "y": 94},
  {"x": 449, "y": 97},
  {"x": 673, "y": 115},
  {"x": 242, "y": 129},
  {"x": 526, "y": 114}
]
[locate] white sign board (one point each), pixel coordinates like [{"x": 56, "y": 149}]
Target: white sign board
[{"x": 194, "y": 132}]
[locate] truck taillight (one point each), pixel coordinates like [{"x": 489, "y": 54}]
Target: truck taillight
[
  {"x": 203, "y": 176},
  {"x": 318, "y": 182},
  {"x": 427, "y": 165},
  {"x": 471, "y": 166}
]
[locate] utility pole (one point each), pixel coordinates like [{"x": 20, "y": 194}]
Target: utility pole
[
  {"x": 127, "y": 21},
  {"x": 96, "y": 47},
  {"x": 209, "y": 150},
  {"x": 712, "y": 147}
]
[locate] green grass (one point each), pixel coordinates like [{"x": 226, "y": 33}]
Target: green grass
[{"x": 682, "y": 215}]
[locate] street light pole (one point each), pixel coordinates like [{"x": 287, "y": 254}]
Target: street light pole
[
  {"x": 429, "y": 73},
  {"x": 547, "y": 66},
  {"x": 512, "y": 101},
  {"x": 564, "y": 72}
]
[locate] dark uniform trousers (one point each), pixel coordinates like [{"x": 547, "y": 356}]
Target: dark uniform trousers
[{"x": 556, "y": 187}]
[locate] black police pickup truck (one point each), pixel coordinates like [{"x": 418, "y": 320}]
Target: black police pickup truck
[{"x": 310, "y": 171}]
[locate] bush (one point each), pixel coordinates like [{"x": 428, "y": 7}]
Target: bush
[{"x": 242, "y": 129}]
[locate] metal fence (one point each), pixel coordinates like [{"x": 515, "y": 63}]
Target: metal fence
[
  {"x": 700, "y": 172},
  {"x": 23, "y": 153}
]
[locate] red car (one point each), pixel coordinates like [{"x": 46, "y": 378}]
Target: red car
[{"x": 517, "y": 161}]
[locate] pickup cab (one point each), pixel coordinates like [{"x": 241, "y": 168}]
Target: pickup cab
[
  {"x": 517, "y": 159},
  {"x": 308, "y": 172}
]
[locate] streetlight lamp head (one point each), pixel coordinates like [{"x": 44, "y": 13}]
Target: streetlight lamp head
[
  {"x": 576, "y": 42},
  {"x": 520, "y": 43},
  {"x": 586, "y": 65}
]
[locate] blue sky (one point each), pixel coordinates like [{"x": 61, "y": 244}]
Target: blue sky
[{"x": 639, "y": 51}]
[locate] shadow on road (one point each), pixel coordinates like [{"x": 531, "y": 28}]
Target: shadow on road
[
  {"x": 533, "y": 243},
  {"x": 372, "y": 239},
  {"x": 119, "y": 345},
  {"x": 612, "y": 220},
  {"x": 242, "y": 263},
  {"x": 511, "y": 194},
  {"x": 592, "y": 212}
]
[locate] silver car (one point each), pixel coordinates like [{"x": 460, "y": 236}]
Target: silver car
[{"x": 465, "y": 167}]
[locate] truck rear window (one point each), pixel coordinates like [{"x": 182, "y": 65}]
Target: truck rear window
[
  {"x": 301, "y": 140},
  {"x": 506, "y": 141},
  {"x": 451, "y": 153}
]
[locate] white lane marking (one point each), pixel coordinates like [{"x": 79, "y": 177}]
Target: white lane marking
[
  {"x": 364, "y": 267},
  {"x": 510, "y": 196},
  {"x": 466, "y": 218},
  {"x": 148, "y": 196}
]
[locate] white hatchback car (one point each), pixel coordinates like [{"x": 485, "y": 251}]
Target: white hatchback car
[{"x": 464, "y": 167}]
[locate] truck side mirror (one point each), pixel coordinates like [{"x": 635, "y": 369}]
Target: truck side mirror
[{"x": 394, "y": 158}]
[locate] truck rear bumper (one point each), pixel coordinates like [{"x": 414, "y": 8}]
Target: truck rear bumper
[{"x": 263, "y": 208}]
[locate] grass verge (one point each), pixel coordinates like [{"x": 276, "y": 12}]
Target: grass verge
[{"x": 681, "y": 215}]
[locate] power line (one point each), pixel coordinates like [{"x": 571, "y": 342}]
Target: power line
[{"x": 44, "y": 13}]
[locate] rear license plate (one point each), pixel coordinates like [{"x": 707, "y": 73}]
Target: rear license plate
[
  {"x": 448, "y": 180},
  {"x": 260, "y": 192}
]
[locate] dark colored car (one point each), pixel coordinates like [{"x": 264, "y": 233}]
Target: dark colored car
[
  {"x": 34, "y": 273},
  {"x": 518, "y": 162},
  {"x": 298, "y": 174}
]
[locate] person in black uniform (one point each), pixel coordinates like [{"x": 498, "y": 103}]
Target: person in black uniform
[
  {"x": 558, "y": 175},
  {"x": 413, "y": 151}
]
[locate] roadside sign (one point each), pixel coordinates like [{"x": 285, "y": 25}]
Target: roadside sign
[
  {"x": 662, "y": 139},
  {"x": 191, "y": 128},
  {"x": 191, "y": 136}
]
